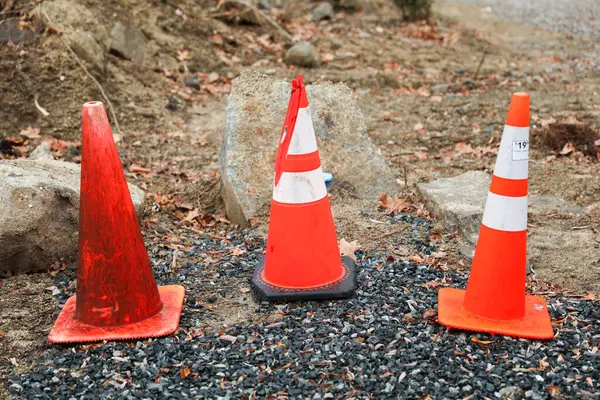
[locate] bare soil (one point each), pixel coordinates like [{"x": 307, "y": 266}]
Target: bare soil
[{"x": 170, "y": 133}]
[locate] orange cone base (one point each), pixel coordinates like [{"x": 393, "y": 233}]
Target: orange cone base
[
  {"x": 68, "y": 330},
  {"x": 340, "y": 289},
  {"x": 534, "y": 325}
]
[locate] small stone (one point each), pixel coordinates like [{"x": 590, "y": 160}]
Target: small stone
[
  {"x": 128, "y": 43},
  {"x": 470, "y": 83},
  {"x": 323, "y": 11},
  {"x": 192, "y": 81},
  {"x": 510, "y": 393},
  {"x": 441, "y": 88},
  {"x": 42, "y": 152},
  {"x": 303, "y": 54},
  {"x": 264, "y": 4},
  {"x": 213, "y": 77}
]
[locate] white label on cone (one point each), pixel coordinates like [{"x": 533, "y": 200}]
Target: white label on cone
[
  {"x": 303, "y": 139},
  {"x": 520, "y": 150},
  {"x": 513, "y": 154},
  {"x": 300, "y": 187},
  {"x": 505, "y": 213}
]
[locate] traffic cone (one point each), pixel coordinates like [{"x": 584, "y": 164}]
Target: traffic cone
[
  {"x": 302, "y": 259},
  {"x": 495, "y": 299},
  {"x": 117, "y": 296}
]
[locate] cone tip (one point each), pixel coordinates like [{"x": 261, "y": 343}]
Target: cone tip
[
  {"x": 91, "y": 104},
  {"x": 518, "y": 112}
]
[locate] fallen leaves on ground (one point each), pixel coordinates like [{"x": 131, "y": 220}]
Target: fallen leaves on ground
[
  {"x": 348, "y": 248},
  {"x": 475, "y": 340},
  {"x": 31, "y": 133},
  {"x": 393, "y": 205},
  {"x": 184, "y": 373}
]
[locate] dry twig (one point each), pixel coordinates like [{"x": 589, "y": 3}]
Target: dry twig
[
  {"x": 40, "y": 108},
  {"x": 485, "y": 52},
  {"x": 108, "y": 103},
  {"x": 271, "y": 22}
]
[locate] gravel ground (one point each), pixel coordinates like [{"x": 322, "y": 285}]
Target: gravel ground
[
  {"x": 580, "y": 17},
  {"x": 383, "y": 343}
]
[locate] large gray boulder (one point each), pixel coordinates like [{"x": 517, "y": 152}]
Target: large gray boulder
[
  {"x": 255, "y": 112},
  {"x": 39, "y": 213}
]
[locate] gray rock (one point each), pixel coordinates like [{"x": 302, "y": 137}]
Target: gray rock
[
  {"x": 42, "y": 153},
  {"x": 323, "y": 11},
  {"x": 303, "y": 54},
  {"x": 510, "y": 393},
  {"x": 264, "y": 4},
  {"x": 69, "y": 16},
  {"x": 128, "y": 43},
  {"x": 255, "y": 112},
  {"x": 551, "y": 204},
  {"x": 85, "y": 46},
  {"x": 11, "y": 32},
  {"x": 442, "y": 88},
  {"x": 39, "y": 213},
  {"x": 349, "y": 5},
  {"x": 192, "y": 81},
  {"x": 458, "y": 201}
]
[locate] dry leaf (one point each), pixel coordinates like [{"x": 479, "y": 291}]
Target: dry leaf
[
  {"x": 393, "y": 204},
  {"x": 438, "y": 254},
  {"x": 228, "y": 338},
  {"x": 136, "y": 169},
  {"x": 416, "y": 259},
  {"x": 184, "y": 373},
  {"x": 429, "y": 313},
  {"x": 567, "y": 149},
  {"x": 236, "y": 251},
  {"x": 475, "y": 340},
  {"x": 421, "y": 155},
  {"x": 192, "y": 215},
  {"x": 348, "y": 249},
  {"x": 31, "y": 133}
]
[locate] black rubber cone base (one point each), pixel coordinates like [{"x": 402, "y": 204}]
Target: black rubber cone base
[{"x": 341, "y": 289}]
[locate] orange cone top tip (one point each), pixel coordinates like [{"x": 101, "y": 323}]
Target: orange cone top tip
[
  {"x": 299, "y": 79},
  {"x": 90, "y": 104},
  {"x": 518, "y": 113}
]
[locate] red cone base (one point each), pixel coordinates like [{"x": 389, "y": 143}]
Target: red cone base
[
  {"x": 534, "y": 325},
  {"x": 68, "y": 330},
  {"x": 340, "y": 289}
]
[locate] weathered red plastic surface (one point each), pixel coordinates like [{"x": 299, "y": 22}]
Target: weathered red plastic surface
[
  {"x": 535, "y": 324},
  {"x": 68, "y": 330},
  {"x": 117, "y": 296}
]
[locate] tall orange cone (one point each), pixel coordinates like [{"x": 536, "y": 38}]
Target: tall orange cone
[
  {"x": 117, "y": 296},
  {"x": 495, "y": 299},
  {"x": 302, "y": 259}
]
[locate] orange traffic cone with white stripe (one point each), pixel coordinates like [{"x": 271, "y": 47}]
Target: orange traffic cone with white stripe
[
  {"x": 302, "y": 259},
  {"x": 495, "y": 299}
]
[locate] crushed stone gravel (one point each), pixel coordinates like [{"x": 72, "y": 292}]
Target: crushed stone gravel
[{"x": 383, "y": 343}]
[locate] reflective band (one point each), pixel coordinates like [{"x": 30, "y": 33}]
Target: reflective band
[
  {"x": 303, "y": 137},
  {"x": 505, "y": 213},
  {"x": 513, "y": 155},
  {"x": 302, "y": 162},
  {"x": 300, "y": 187},
  {"x": 509, "y": 187}
]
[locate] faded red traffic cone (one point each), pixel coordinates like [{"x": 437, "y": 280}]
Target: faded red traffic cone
[
  {"x": 495, "y": 299},
  {"x": 117, "y": 296},
  {"x": 302, "y": 258}
]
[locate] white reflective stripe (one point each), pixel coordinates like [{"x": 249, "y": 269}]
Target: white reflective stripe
[
  {"x": 303, "y": 137},
  {"x": 513, "y": 154},
  {"x": 505, "y": 213},
  {"x": 300, "y": 187}
]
